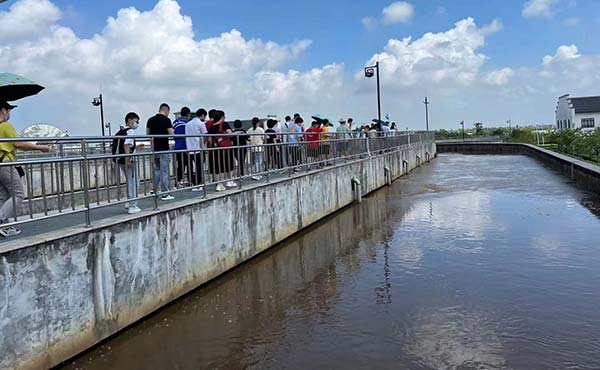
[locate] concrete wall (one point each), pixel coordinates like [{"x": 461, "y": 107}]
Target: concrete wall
[
  {"x": 64, "y": 294},
  {"x": 582, "y": 173}
]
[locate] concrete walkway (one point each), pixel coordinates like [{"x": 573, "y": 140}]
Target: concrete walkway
[{"x": 40, "y": 230}]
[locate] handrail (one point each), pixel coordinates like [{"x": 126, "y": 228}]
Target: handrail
[{"x": 61, "y": 184}]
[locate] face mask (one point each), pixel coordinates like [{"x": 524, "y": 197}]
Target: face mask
[{"x": 136, "y": 126}]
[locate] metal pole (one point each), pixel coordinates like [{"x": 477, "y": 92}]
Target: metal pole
[
  {"x": 426, "y": 102},
  {"x": 102, "y": 114},
  {"x": 462, "y": 123},
  {"x": 378, "y": 94}
]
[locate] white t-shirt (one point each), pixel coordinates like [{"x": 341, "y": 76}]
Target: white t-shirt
[
  {"x": 129, "y": 141},
  {"x": 386, "y": 130},
  {"x": 195, "y": 127},
  {"x": 257, "y": 138}
]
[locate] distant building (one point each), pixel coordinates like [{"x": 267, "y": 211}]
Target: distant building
[{"x": 574, "y": 113}]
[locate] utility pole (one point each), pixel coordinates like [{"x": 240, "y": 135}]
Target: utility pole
[
  {"x": 426, "y": 102},
  {"x": 378, "y": 95},
  {"x": 462, "y": 123}
]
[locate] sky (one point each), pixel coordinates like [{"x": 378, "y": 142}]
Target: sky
[{"x": 475, "y": 61}]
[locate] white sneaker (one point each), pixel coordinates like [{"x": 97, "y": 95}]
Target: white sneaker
[
  {"x": 127, "y": 205},
  {"x": 167, "y": 197},
  {"x": 9, "y": 231},
  {"x": 220, "y": 187},
  {"x": 200, "y": 188},
  {"x": 133, "y": 210},
  {"x": 231, "y": 184},
  {"x": 256, "y": 178}
]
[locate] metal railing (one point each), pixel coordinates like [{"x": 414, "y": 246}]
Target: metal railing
[{"x": 79, "y": 175}]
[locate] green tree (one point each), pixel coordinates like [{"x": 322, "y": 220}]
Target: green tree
[{"x": 478, "y": 128}]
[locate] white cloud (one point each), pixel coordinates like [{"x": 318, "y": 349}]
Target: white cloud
[
  {"x": 436, "y": 59},
  {"x": 563, "y": 53},
  {"x": 142, "y": 58},
  {"x": 538, "y": 8},
  {"x": 27, "y": 18},
  {"x": 369, "y": 23},
  {"x": 398, "y": 12},
  {"x": 499, "y": 77}
]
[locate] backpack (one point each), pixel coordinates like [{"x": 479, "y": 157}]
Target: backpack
[
  {"x": 118, "y": 145},
  {"x": 223, "y": 141}
]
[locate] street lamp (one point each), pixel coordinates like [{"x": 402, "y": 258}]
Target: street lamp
[
  {"x": 370, "y": 72},
  {"x": 462, "y": 123},
  {"x": 98, "y": 102},
  {"x": 426, "y": 102}
]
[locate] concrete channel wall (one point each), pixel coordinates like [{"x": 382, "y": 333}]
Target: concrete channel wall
[
  {"x": 63, "y": 293},
  {"x": 582, "y": 173}
]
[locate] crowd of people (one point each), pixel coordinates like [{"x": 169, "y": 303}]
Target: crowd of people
[{"x": 204, "y": 144}]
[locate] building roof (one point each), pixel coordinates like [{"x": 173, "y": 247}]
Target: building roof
[{"x": 588, "y": 104}]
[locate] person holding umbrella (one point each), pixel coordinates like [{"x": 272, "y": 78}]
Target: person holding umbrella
[{"x": 11, "y": 186}]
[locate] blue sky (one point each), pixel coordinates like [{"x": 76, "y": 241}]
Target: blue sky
[
  {"x": 338, "y": 36},
  {"x": 483, "y": 61}
]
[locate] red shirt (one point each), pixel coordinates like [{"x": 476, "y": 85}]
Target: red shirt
[
  {"x": 209, "y": 124},
  {"x": 312, "y": 134}
]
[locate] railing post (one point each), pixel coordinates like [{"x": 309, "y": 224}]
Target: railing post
[
  {"x": 86, "y": 184},
  {"x": 153, "y": 171}
]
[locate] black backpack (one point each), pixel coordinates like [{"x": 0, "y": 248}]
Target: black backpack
[{"x": 118, "y": 145}]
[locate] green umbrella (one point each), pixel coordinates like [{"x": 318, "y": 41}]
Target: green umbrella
[{"x": 14, "y": 87}]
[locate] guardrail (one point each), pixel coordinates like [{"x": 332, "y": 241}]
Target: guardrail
[{"x": 84, "y": 178}]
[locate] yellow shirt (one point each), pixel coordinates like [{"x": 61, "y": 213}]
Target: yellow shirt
[
  {"x": 325, "y": 133},
  {"x": 7, "y": 131}
]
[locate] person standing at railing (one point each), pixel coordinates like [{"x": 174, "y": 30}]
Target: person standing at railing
[
  {"x": 294, "y": 137},
  {"x": 160, "y": 124},
  {"x": 211, "y": 119},
  {"x": 343, "y": 133},
  {"x": 240, "y": 140},
  {"x": 221, "y": 160},
  {"x": 272, "y": 145},
  {"x": 195, "y": 146},
  {"x": 326, "y": 136},
  {"x": 312, "y": 136},
  {"x": 182, "y": 159},
  {"x": 129, "y": 165},
  {"x": 11, "y": 185},
  {"x": 257, "y": 140},
  {"x": 385, "y": 129},
  {"x": 283, "y": 129}
]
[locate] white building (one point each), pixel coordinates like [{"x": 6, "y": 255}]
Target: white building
[{"x": 573, "y": 113}]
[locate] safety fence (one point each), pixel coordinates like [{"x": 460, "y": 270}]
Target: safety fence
[{"x": 80, "y": 174}]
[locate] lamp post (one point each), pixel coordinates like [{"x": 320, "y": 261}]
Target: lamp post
[
  {"x": 98, "y": 102},
  {"x": 462, "y": 123},
  {"x": 426, "y": 102},
  {"x": 370, "y": 72}
]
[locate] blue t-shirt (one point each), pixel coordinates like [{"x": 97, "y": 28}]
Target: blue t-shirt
[
  {"x": 295, "y": 132},
  {"x": 179, "y": 128}
]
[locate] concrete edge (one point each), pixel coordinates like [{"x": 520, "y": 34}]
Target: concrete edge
[{"x": 70, "y": 231}]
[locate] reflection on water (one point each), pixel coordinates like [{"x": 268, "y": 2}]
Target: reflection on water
[{"x": 468, "y": 263}]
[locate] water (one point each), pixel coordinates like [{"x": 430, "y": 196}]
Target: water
[{"x": 471, "y": 262}]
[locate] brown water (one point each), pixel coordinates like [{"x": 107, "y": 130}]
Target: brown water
[{"x": 471, "y": 262}]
